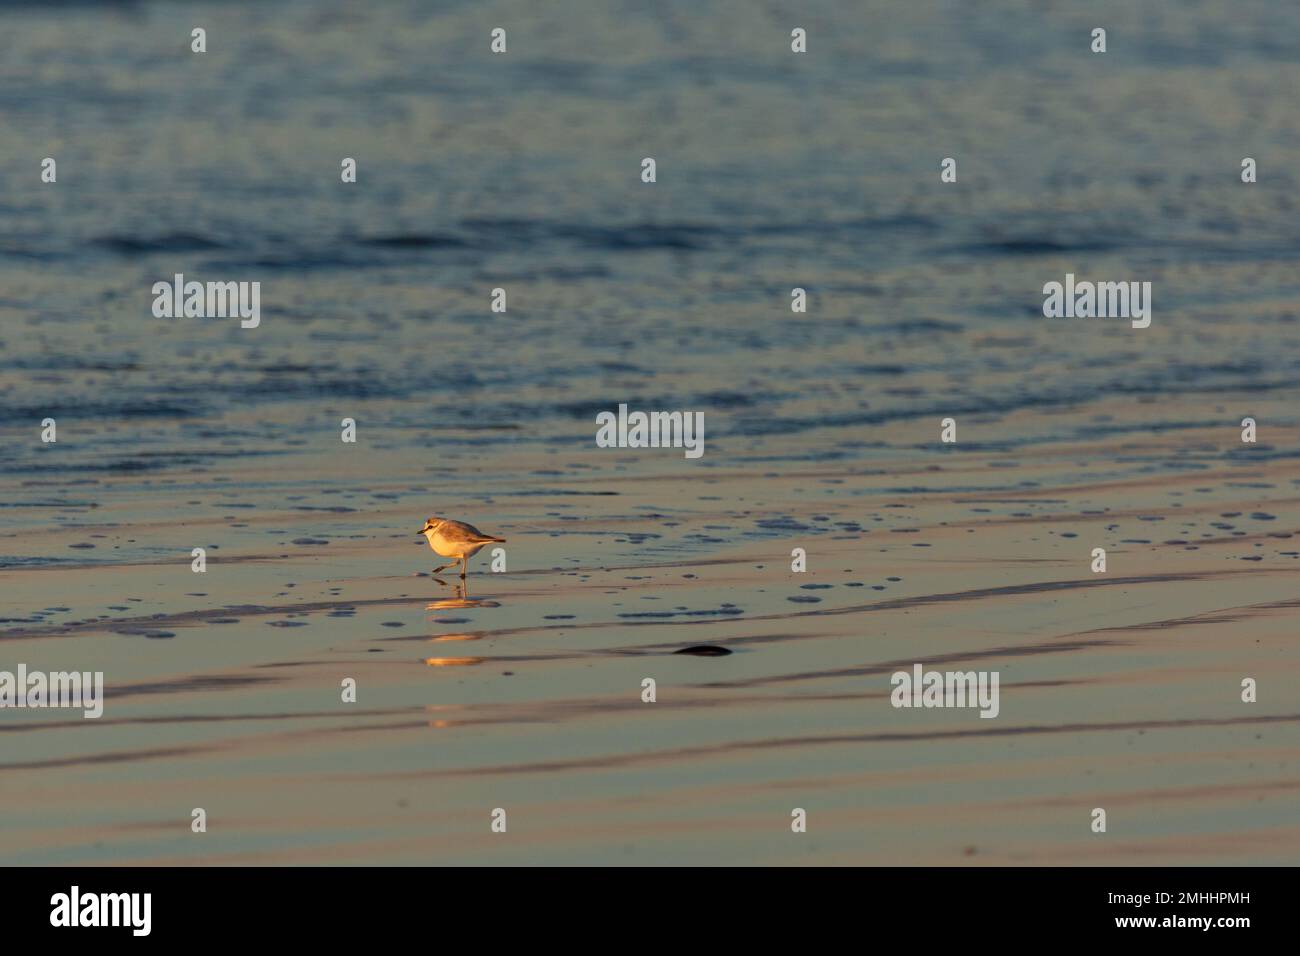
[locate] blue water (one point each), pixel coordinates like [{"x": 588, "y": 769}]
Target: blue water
[{"x": 521, "y": 171}]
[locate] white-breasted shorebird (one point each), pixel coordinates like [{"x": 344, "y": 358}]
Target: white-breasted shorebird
[{"x": 455, "y": 539}]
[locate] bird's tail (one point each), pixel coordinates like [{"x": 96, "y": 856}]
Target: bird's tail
[{"x": 502, "y": 540}]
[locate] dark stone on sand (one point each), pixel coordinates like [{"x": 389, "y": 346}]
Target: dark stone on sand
[
  {"x": 143, "y": 632},
  {"x": 703, "y": 650}
]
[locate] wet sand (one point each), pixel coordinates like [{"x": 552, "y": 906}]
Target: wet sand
[{"x": 1119, "y": 690}]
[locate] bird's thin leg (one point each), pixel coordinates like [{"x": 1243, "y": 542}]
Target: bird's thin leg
[
  {"x": 443, "y": 568},
  {"x": 464, "y": 566}
]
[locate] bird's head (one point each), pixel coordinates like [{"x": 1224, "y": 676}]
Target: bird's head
[{"x": 430, "y": 524}]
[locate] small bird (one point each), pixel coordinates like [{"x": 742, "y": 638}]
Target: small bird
[{"x": 455, "y": 539}]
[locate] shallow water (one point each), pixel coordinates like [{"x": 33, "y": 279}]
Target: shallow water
[{"x": 774, "y": 171}]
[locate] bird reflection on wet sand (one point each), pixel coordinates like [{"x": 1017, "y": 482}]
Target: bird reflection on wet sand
[
  {"x": 445, "y": 638},
  {"x": 452, "y": 661},
  {"x": 461, "y": 600}
]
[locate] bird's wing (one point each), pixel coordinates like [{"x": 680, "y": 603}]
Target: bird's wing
[{"x": 460, "y": 529}]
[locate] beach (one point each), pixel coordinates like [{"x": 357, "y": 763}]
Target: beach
[{"x": 523, "y": 690}]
